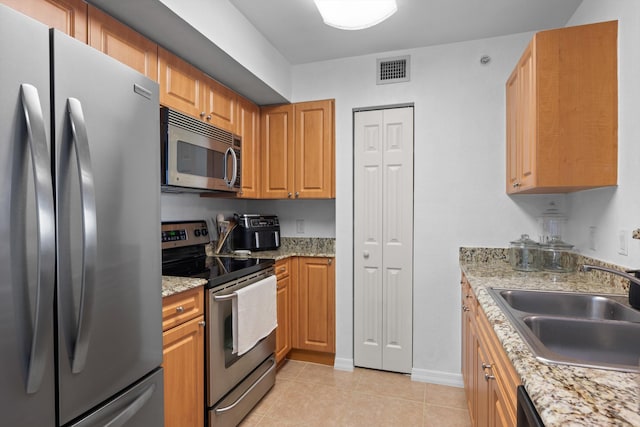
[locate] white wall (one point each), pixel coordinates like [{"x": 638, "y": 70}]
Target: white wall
[
  {"x": 318, "y": 216},
  {"x": 459, "y": 195},
  {"x": 615, "y": 209}
]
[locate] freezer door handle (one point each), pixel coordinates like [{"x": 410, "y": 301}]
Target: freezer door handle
[
  {"x": 40, "y": 160},
  {"x": 133, "y": 408},
  {"x": 89, "y": 234}
]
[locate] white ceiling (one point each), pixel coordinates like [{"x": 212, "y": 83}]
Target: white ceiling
[{"x": 296, "y": 29}]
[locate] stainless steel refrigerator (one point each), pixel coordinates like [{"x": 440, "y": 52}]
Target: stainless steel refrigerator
[{"x": 80, "y": 260}]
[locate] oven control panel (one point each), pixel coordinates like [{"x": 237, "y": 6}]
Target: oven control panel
[{"x": 177, "y": 234}]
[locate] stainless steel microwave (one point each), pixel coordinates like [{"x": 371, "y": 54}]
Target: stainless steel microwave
[{"x": 197, "y": 156}]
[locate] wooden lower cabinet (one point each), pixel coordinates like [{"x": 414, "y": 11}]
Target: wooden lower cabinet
[
  {"x": 283, "y": 332},
  {"x": 314, "y": 305},
  {"x": 183, "y": 360},
  {"x": 490, "y": 380}
]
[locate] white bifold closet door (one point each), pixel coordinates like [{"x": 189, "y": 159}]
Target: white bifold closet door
[{"x": 383, "y": 239}]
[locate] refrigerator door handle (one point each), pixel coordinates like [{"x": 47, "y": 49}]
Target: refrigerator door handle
[
  {"x": 135, "y": 406},
  {"x": 40, "y": 159},
  {"x": 89, "y": 234}
]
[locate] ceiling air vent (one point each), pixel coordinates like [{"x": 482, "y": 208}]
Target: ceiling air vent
[{"x": 393, "y": 70}]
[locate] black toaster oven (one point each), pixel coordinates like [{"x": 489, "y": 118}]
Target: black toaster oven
[{"x": 255, "y": 232}]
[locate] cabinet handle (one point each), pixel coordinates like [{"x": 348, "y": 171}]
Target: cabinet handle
[
  {"x": 469, "y": 296},
  {"x": 516, "y": 184},
  {"x": 465, "y": 308},
  {"x": 365, "y": 254},
  {"x": 202, "y": 324},
  {"x": 282, "y": 269},
  {"x": 488, "y": 377},
  {"x": 486, "y": 366},
  {"x": 179, "y": 309},
  {"x": 330, "y": 261}
]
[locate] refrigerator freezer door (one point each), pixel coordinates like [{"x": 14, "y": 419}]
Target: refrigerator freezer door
[
  {"x": 27, "y": 394},
  {"x": 107, "y": 161},
  {"x": 142, "y": 405}
]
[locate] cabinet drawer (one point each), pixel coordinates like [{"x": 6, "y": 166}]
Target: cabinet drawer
[
  {"x": 283, "y": 268},
  {"x": 179, "y": 308}
]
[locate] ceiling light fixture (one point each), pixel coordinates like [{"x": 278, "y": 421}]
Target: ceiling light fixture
[{"x": 355, "y": 14}]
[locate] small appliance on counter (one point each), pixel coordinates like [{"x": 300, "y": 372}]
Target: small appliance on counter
[{"x": 255, "y": 232}]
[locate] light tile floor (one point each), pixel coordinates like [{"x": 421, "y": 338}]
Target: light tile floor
[{"x": 306, "y": 394}]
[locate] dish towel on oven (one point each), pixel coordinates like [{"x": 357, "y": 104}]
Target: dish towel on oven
[{"x": 253, "y": 314}]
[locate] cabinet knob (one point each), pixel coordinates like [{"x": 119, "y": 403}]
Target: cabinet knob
[
  {"x": 282, "y": 269},
  {"x": 202, "y": 114},
  {"x": 289, "y": 194},
  {"x": 488, "y": 377},
  {"x": 297, "y": 194},
  {"x": 486, "y": 366},
  {"x": 465, "y": 308},
  {"x": 330, "y": 261},
  {"x": 516, "y": 184},
  {"x": 209, "y": 117},
  {"x": 202, "y": 324},
  {"x": 179, "y": 309}
]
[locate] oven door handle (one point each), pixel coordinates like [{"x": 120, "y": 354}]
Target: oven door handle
[
  {"x": 243, "y": 395},
  {"x": 225, "y": 297}
]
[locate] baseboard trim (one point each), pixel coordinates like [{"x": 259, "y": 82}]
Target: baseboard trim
[
  {"x": 437, "y": 377},
  {"x": 342, "y": 364}
]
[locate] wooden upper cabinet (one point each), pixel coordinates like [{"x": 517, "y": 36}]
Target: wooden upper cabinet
[
  {"x": 314, "y": 149},
  {"x": 68, "y": 16},
  {"x": 248, "y": 127},
  {"x": 220, "y": 105},
  {"x": 562, "y": 111},
  {"x": 119, "y": 41},
  {"x": 298, "y": 154},
  {"x": 180, "y": 84},
  {"x": 276, "y": 133}
]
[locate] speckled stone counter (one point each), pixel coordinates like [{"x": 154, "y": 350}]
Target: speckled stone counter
[
  {"x": 563, "y": 395},
  {"x": 296, "y": 246},
  {"x": 173, "y": 285}
]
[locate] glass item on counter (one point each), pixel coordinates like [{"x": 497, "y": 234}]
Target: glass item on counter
[
  {"x": 558, "y": 256},
  {"x": 524, "y": 254},
  {"x": 552, "y": 223}
]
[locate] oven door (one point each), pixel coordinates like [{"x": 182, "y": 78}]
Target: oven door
[
  {"x": 197, "y": 161},
  {"x": 225, "y": 370}
]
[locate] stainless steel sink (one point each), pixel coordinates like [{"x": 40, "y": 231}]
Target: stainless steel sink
[
  {"x": 588, "y": 306},
  {"x": 596, "y": 331}
]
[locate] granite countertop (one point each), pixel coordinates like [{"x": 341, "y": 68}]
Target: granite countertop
[
  {"x": 290, "y": 246},
  {"x": 294, "y": 246},
  {"x": 563, "y": 395}
]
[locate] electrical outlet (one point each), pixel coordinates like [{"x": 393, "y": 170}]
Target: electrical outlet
[
  {"x": 623, "y": 247},
  {"x": 300, "y": 226},
  {"x": 592, "y": 237}
]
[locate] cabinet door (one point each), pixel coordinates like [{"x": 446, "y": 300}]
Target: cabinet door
[
  {"x": 512, "y": 131},
  {"x": 122, "y": 43},
  {"x": 183, "y": 362},
  {"x": 526, "y": 136},
  {"x": 283, "y": 332},
  {"x": 277, "y": 133},
  {"x": 314, "y": 149},
  {"x": 181, "y": 84},
  {"x": 248, "y": 127},
  {"x": 220, "y": 105},
  {"x": 315, "y": 305},
  {"x": 68, "y": 16}
]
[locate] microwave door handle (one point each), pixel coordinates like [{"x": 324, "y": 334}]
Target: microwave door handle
[
  {"x": 235, "y": 167},
  {"x": 89, "y": 234},
  {"x": 40, "y": 159}
]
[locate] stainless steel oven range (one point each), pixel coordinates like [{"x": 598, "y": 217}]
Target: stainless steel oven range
[{"x": 235, "y": 384}]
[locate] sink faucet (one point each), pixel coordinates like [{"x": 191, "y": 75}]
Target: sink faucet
[{"x": 634, "y": 285}]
